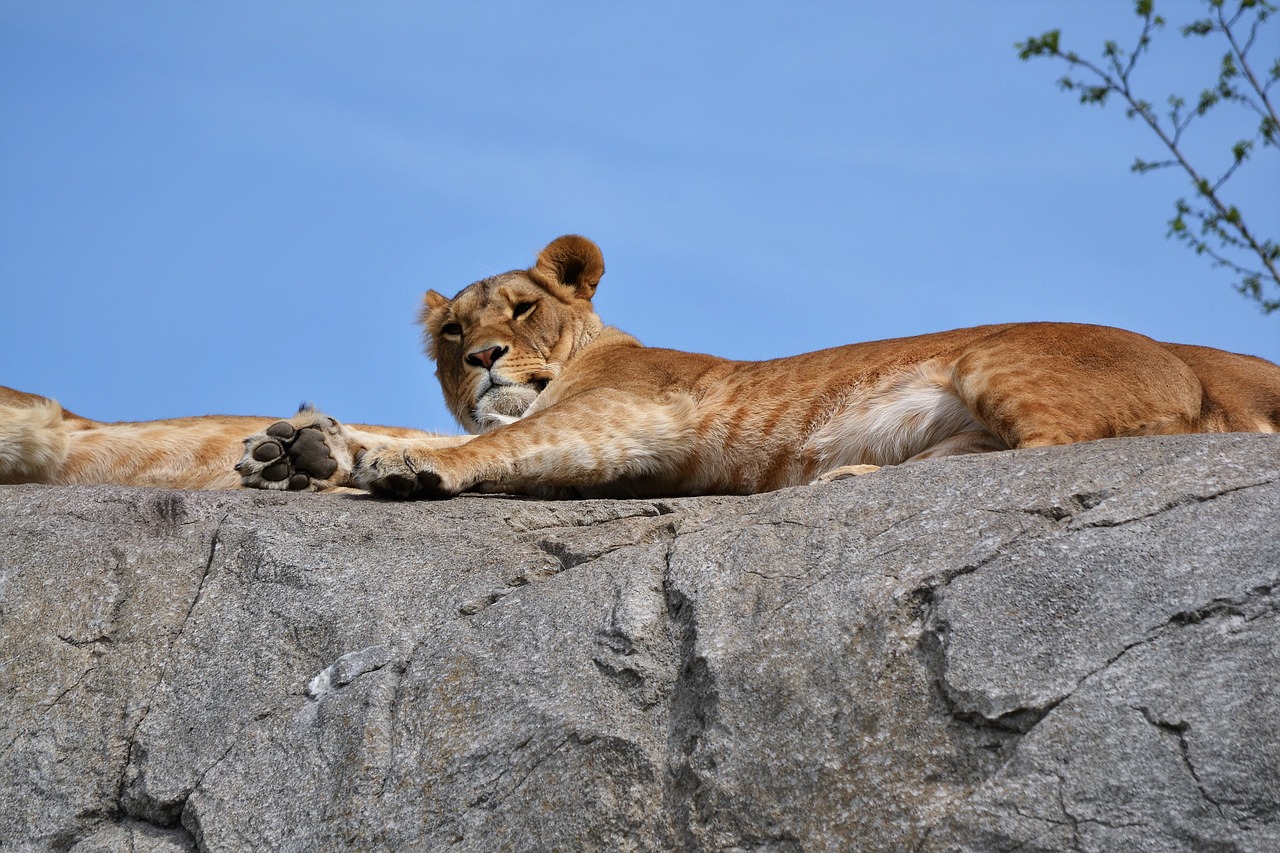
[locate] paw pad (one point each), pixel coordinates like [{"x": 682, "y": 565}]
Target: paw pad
[
  {"x": 294, "y": 456},
  {"x": 267, "y": 451},
  {"x": 310, "y": 454}
]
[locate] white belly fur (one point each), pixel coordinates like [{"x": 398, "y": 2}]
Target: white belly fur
[{"x": 900, "y": 418}]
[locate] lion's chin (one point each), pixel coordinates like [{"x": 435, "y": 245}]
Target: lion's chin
[{"x": 503, "y": 404}]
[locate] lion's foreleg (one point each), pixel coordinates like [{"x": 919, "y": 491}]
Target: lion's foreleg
[
  {"x": 314, "y": 452},
  {"x": 589, "y": 441}
]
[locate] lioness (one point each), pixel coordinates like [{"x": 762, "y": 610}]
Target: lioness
[{"x": 560, "y": 404}]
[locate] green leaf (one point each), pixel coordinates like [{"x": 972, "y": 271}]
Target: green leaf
[
  {"x": 1095, "y": 94},
  {"x": 1143, "y": 166},
  {"x": 1268, "y": 129},
  {"x": 1046, "y": 43}
]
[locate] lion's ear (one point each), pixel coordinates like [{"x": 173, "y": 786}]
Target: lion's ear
[
  {"x": 432, "y": 305},
  {"x": 570, "y": 261},
  {"x": 434, "y": 301}
]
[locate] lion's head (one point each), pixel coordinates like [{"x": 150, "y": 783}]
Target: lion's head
[{"x": 500, "y": 342}]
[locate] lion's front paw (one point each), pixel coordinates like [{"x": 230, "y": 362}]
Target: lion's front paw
[
  {"x": 308, "y": 452},
  {"x": 399, "y": 472}
]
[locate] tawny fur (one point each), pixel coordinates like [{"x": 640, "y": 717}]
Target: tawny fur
[
  {"x": 559, "y": 404},
  {"x": 40, "y": 442},
  {"x": 566, "y": 405},
  {"x": 34, "y": 439}
]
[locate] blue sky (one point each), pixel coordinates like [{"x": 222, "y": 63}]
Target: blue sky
[{"x": 235, "y": 207}]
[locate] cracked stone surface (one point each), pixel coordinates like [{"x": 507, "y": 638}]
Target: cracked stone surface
[{"x": 1062, "y": 649}]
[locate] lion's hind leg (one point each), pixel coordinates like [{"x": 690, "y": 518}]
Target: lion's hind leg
[
  {"x": 844, "y": 472},
  {"x": 1046, "y": 384},
  {"x": 960, "y": 444},
  {"x": 34, "y": 439}
]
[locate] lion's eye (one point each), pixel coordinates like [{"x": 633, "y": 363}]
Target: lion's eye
[
  {"x": 521, "y": 309},
  {"x": 453, "y": 330}
]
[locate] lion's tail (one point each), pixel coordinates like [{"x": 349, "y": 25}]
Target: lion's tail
[{"x": 34, "y": 439}]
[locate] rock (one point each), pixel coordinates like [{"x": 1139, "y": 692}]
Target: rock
[{"x": 1066, "y": 648}]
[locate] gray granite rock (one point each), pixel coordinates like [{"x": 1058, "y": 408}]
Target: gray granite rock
[{"x": 1064, "y": 649}]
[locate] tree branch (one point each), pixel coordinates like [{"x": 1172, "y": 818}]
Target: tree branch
[{"x": 1221, "y": 221}]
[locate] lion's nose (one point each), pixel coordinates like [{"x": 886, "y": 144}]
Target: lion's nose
[{"x": 486, "y": 357}]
